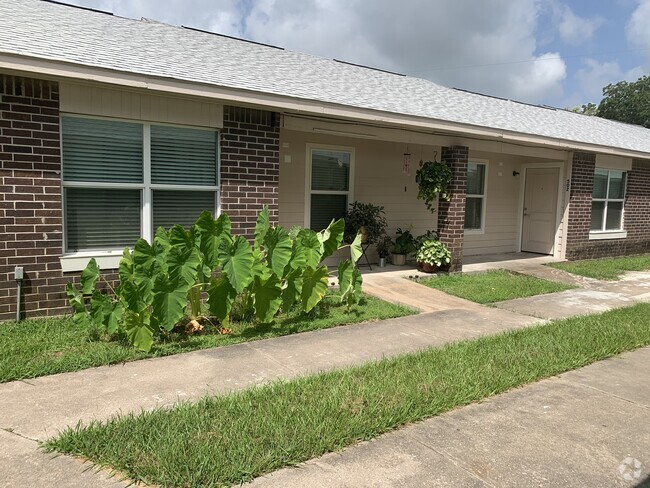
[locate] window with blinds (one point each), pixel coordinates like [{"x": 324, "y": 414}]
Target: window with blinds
[
  {"x": 122, "y": 180},
  {"x": 329, "y": 186},
  {"x": 475, "y": 198}
]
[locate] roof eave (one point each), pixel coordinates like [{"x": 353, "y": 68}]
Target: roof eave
[{"x": 62, "y": 69}]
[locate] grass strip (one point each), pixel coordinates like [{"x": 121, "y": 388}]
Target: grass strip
[
  {"x": 224, "y": 440},
  {"x": 493, "y": 286},
  {"x": 41, "y": 347},
  {"x": 609, "y": 269}
]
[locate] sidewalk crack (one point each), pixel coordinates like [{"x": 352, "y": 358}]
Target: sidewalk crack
[{"x": 456, "y": 461}]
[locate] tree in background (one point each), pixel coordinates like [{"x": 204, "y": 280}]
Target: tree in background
[
  {"x": 627, "y": 102},
  {"x": 624, "y": 101}
]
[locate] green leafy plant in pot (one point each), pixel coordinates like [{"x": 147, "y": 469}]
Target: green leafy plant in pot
[
  {"x": 432, "y": 255},
  {"x": 405, "y": 244},
  {"x": 433, "y": 179},
  {"x": 365, "y": 219},
  {"x": 384, "y": 246}
]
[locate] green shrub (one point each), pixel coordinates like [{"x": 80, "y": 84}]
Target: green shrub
[{"x": 163, "y": 282}]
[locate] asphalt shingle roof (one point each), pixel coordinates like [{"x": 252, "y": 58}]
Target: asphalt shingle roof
[{"x": 56, "y": 32}]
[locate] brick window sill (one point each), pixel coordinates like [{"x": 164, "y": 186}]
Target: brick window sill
[
  {"x": 78, "y": 261},
  {"x": 596, "y": 236}
]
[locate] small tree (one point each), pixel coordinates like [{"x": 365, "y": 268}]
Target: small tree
[{"x": 627, "y": 102}]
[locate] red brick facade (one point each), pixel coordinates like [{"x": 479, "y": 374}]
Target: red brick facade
[
  {"x": 31, "y": 231},
  {"x": 250, "y": 166},
  {"x": 451, "y": 215},
  {"x": 636, "y": 220},
  {"x": 30, "y": 196}
]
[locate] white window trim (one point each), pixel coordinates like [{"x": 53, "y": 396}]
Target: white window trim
[
  {"x": 483, "y": 197},
  {"x": 603, "y": 233},
  {"x": 308, "y": 169},
  {"x": 110, "y": 258}
]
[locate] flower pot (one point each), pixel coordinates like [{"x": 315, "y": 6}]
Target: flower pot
[
  {"x": 427, "y": 268},
  {"x": 382, "y": 262},
  {"x": 399, "y": 259}
]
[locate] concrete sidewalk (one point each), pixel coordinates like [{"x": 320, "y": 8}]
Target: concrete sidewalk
[{"x": 585, "y": 428}]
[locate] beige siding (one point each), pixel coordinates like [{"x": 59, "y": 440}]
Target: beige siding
[
  {"x": 127, "y": 104},
  {"x": 501, "y": 206},
  {"x": 378, "y": 179}
]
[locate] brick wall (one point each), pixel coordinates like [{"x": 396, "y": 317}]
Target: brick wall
[
  {"x": 451, "y": 215},
  {"x": 30, "y": 196},
  {"x": 636, "y": 212},
  {"x": 250, "y": 167},
  {"x": 579, "y": 221}
]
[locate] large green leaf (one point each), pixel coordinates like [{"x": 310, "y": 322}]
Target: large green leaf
[
  {"x": 169, "y": 301},
  {"x": 126, "y": 267},
  {"x": 182, "y": 239},
  {"x": 162, "y": 239},
  {"x": 314, "y": 287},
  {"x": 81, "y": 315},
  {"x": 210, "y": 233},
  {"x": 262, "y": 226},
  {"x": 350, "y": 281},
  {"x": 292, "y": 289},
  {"x": 268, "y": 298},
  {"x": 236, "y": 260},
  {"x": 308, "y": 250},
  {"x": 183, "y": 266},
  {"x": 89, "y": 277},
  {"x": 355, "y": 250},
  {"x": 332, "y": 237},
  {"x": 221, "y": 295},
  {"x": 278, "y": 246},
  {"x": 132, "y": 296},
  {"x": 105, "y": 313},
  {"x": 144, "y": 277},
  {"x": 139, "y": 330}
]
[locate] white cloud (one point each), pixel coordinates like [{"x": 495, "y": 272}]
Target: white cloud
[
  {"x": 594, "y": 76},
  {"x": 425, "y": 38},
  {"x": 638, "y": 27},
  {"x": 572, "y": 28}
]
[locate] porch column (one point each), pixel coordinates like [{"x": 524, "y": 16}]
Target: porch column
[
  {"x": 451, "y": 215},
  {"x": 579, "y": 221}
]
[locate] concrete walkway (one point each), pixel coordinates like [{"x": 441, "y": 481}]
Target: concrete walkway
[
  {"x": 34, "y": 410},
  {"x": 585, "y": 428}
]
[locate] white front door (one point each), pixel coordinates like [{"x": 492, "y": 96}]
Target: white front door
[{"x": 540, "y": 210}]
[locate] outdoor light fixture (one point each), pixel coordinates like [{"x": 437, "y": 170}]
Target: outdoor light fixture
[{"x": 515, "y": 173}]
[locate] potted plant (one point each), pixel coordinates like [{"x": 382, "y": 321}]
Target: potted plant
[
  {"x": 432, "y": 255},
  {"x": 404, "y": 245},
  {"x": 366, "y": 218},
  {"x": 433, "y": 179},
  {"x": 384, "y": 246}
]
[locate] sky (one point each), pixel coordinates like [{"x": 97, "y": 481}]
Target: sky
[{"x": 553, "y": 52}]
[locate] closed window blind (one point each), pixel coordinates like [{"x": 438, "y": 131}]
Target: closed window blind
[
  {"x": 324, "y": 208},
  {"x": 183, "y": 156},
  {"x": 102, "y": 150},
  {"x": 180, "y": 207},
  {"x": 330, "y": 170},
  {"x": 101, "y": 218}
]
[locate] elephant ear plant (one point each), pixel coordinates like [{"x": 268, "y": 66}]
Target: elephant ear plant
[{"x": 162, "y": 284}]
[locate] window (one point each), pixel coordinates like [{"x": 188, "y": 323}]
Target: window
[
  {"x": 607, "y": 200},
  {"x": 475, "y": 198},
  {"x": 122, "y": 180},
  {"x": 329, "y": 185}
]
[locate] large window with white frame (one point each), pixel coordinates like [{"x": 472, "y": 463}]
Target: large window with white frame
[
  {"x": 124, "y": 179},
  {"x": 475, "y": 196},
  {"x": 329, "y": 185},
  {"x": 607, "y": 200}
]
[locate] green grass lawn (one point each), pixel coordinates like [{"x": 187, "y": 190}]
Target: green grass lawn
[
  {"x": 224, "y": 440},
  {"x": 493, "y": 286},
  {"x": 40, "y": 347},
  {"x": 609, "y": 269}
]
